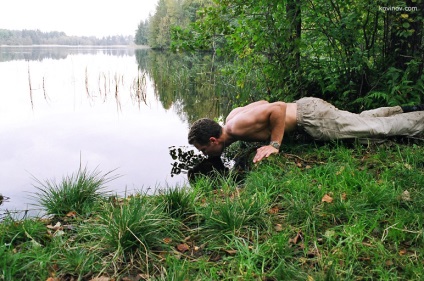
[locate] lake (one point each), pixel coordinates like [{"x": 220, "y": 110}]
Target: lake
[{"x": 104, "y": 108}]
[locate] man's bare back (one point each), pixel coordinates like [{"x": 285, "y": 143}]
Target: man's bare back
[
  {"x": 261, "y": 121},
  {"x": 251, "y": 122}
]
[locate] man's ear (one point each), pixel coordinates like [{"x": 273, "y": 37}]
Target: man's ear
[{"x": 213, "y": 140}]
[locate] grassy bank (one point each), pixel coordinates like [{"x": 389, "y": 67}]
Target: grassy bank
[{"x": 332, "y": 212}]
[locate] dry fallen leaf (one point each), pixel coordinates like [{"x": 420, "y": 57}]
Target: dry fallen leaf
[
  {"x": 329, "y": 233},
  {"x": 406, "y": 196},
  {"x": 231, "y": 252},
  {"x": 72, "y": 214},
  {"x": 402, "y": 252},
  {"x": 183, "y": 247},
  {"x": 55, "y": 227},
  {"x": 297, "y": 238},
  {"x": 327, "y": 198},
  {"x": 407, "y": 166},
  {"x": 273, "y": 210},
  {"x": 389, "y": 263},
  {"x": 278, "y": 227},
  {"x": 367, "y": 244},
  {"x": 144, "y": 276},
  {"x": 101, "y": 278},
  {"x": 167, "y": 240},
  {"x": 214, "y": 257}
]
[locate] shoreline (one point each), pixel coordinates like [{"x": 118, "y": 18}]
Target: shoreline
[{"x": 79, "y": 46}]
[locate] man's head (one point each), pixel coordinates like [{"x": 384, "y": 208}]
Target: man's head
[{"x": 205, "y": 135}]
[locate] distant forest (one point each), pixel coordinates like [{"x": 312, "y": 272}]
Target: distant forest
[{"x": 37, "y": 37}]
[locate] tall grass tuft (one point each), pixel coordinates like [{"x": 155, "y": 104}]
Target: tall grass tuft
[
  {"x": 137, "y": 224},
  {"x": 234, "y": 212},
  {"x": 79, "y": 192},
  {"x": 178, "y": 202}
]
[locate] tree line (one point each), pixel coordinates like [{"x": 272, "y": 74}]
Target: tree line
[
  {"x": 170, "y": 14},
  {"x": 37, "y": 37},
  {"x": 357, "y": 52}
]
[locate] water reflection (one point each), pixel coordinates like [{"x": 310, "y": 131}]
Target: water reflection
[
  {"x": 188, "y": 82},
  {"x": 39, "y": 53},
  {"x": 107, "y": 108},
  {"x": 3, "y": 199},
  {"x": 184, "y": 159},
  {"x": 97, "y": 109}
]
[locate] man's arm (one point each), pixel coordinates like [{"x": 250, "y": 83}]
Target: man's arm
[
  {"x": 277, "y": 120},
  {"x": 259, "y": 122}
]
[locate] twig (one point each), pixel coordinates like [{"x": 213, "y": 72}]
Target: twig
[
  {"x": 118, "y": 102},
  {"x": 86, "y": 82},
  {"x": 416, "y": 138},
  {"x": 304, "y": 160},
  {"x": 386, "y": 231},
  {"x": 145, "y": 249},
  {"x": 30, "y": 88},
  {"x": 44, "y": 90}
]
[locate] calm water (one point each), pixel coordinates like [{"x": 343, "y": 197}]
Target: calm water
[{"x": 60, "y": 107}]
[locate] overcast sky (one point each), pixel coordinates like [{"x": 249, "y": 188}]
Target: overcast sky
[{"x": 76, "y": 17}]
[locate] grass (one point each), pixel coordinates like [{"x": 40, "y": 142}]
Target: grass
[
  {"x": 77, "y": 193},
  {"x": 136, "y": 223},
  {"x": 314, "y": 212}
]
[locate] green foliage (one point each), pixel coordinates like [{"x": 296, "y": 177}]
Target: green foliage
[
  {"x": 169, "y": 13},
  {"x": 170, "y": 21},
  {"x": 402, "y": 87},
  {"x": 141, "y": 36},
  {"x": 346, "y": 51}
]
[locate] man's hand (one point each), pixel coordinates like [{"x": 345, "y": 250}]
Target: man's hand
[{"x": 264, "y": 151}]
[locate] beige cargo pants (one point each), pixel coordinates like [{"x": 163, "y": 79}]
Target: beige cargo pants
[{"x": 324, "y": 121}]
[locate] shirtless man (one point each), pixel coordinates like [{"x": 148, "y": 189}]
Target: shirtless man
[{"x": 263, "y": 121}]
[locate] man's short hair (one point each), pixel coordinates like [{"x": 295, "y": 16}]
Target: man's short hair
[{"x": 202, "y": 130}]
